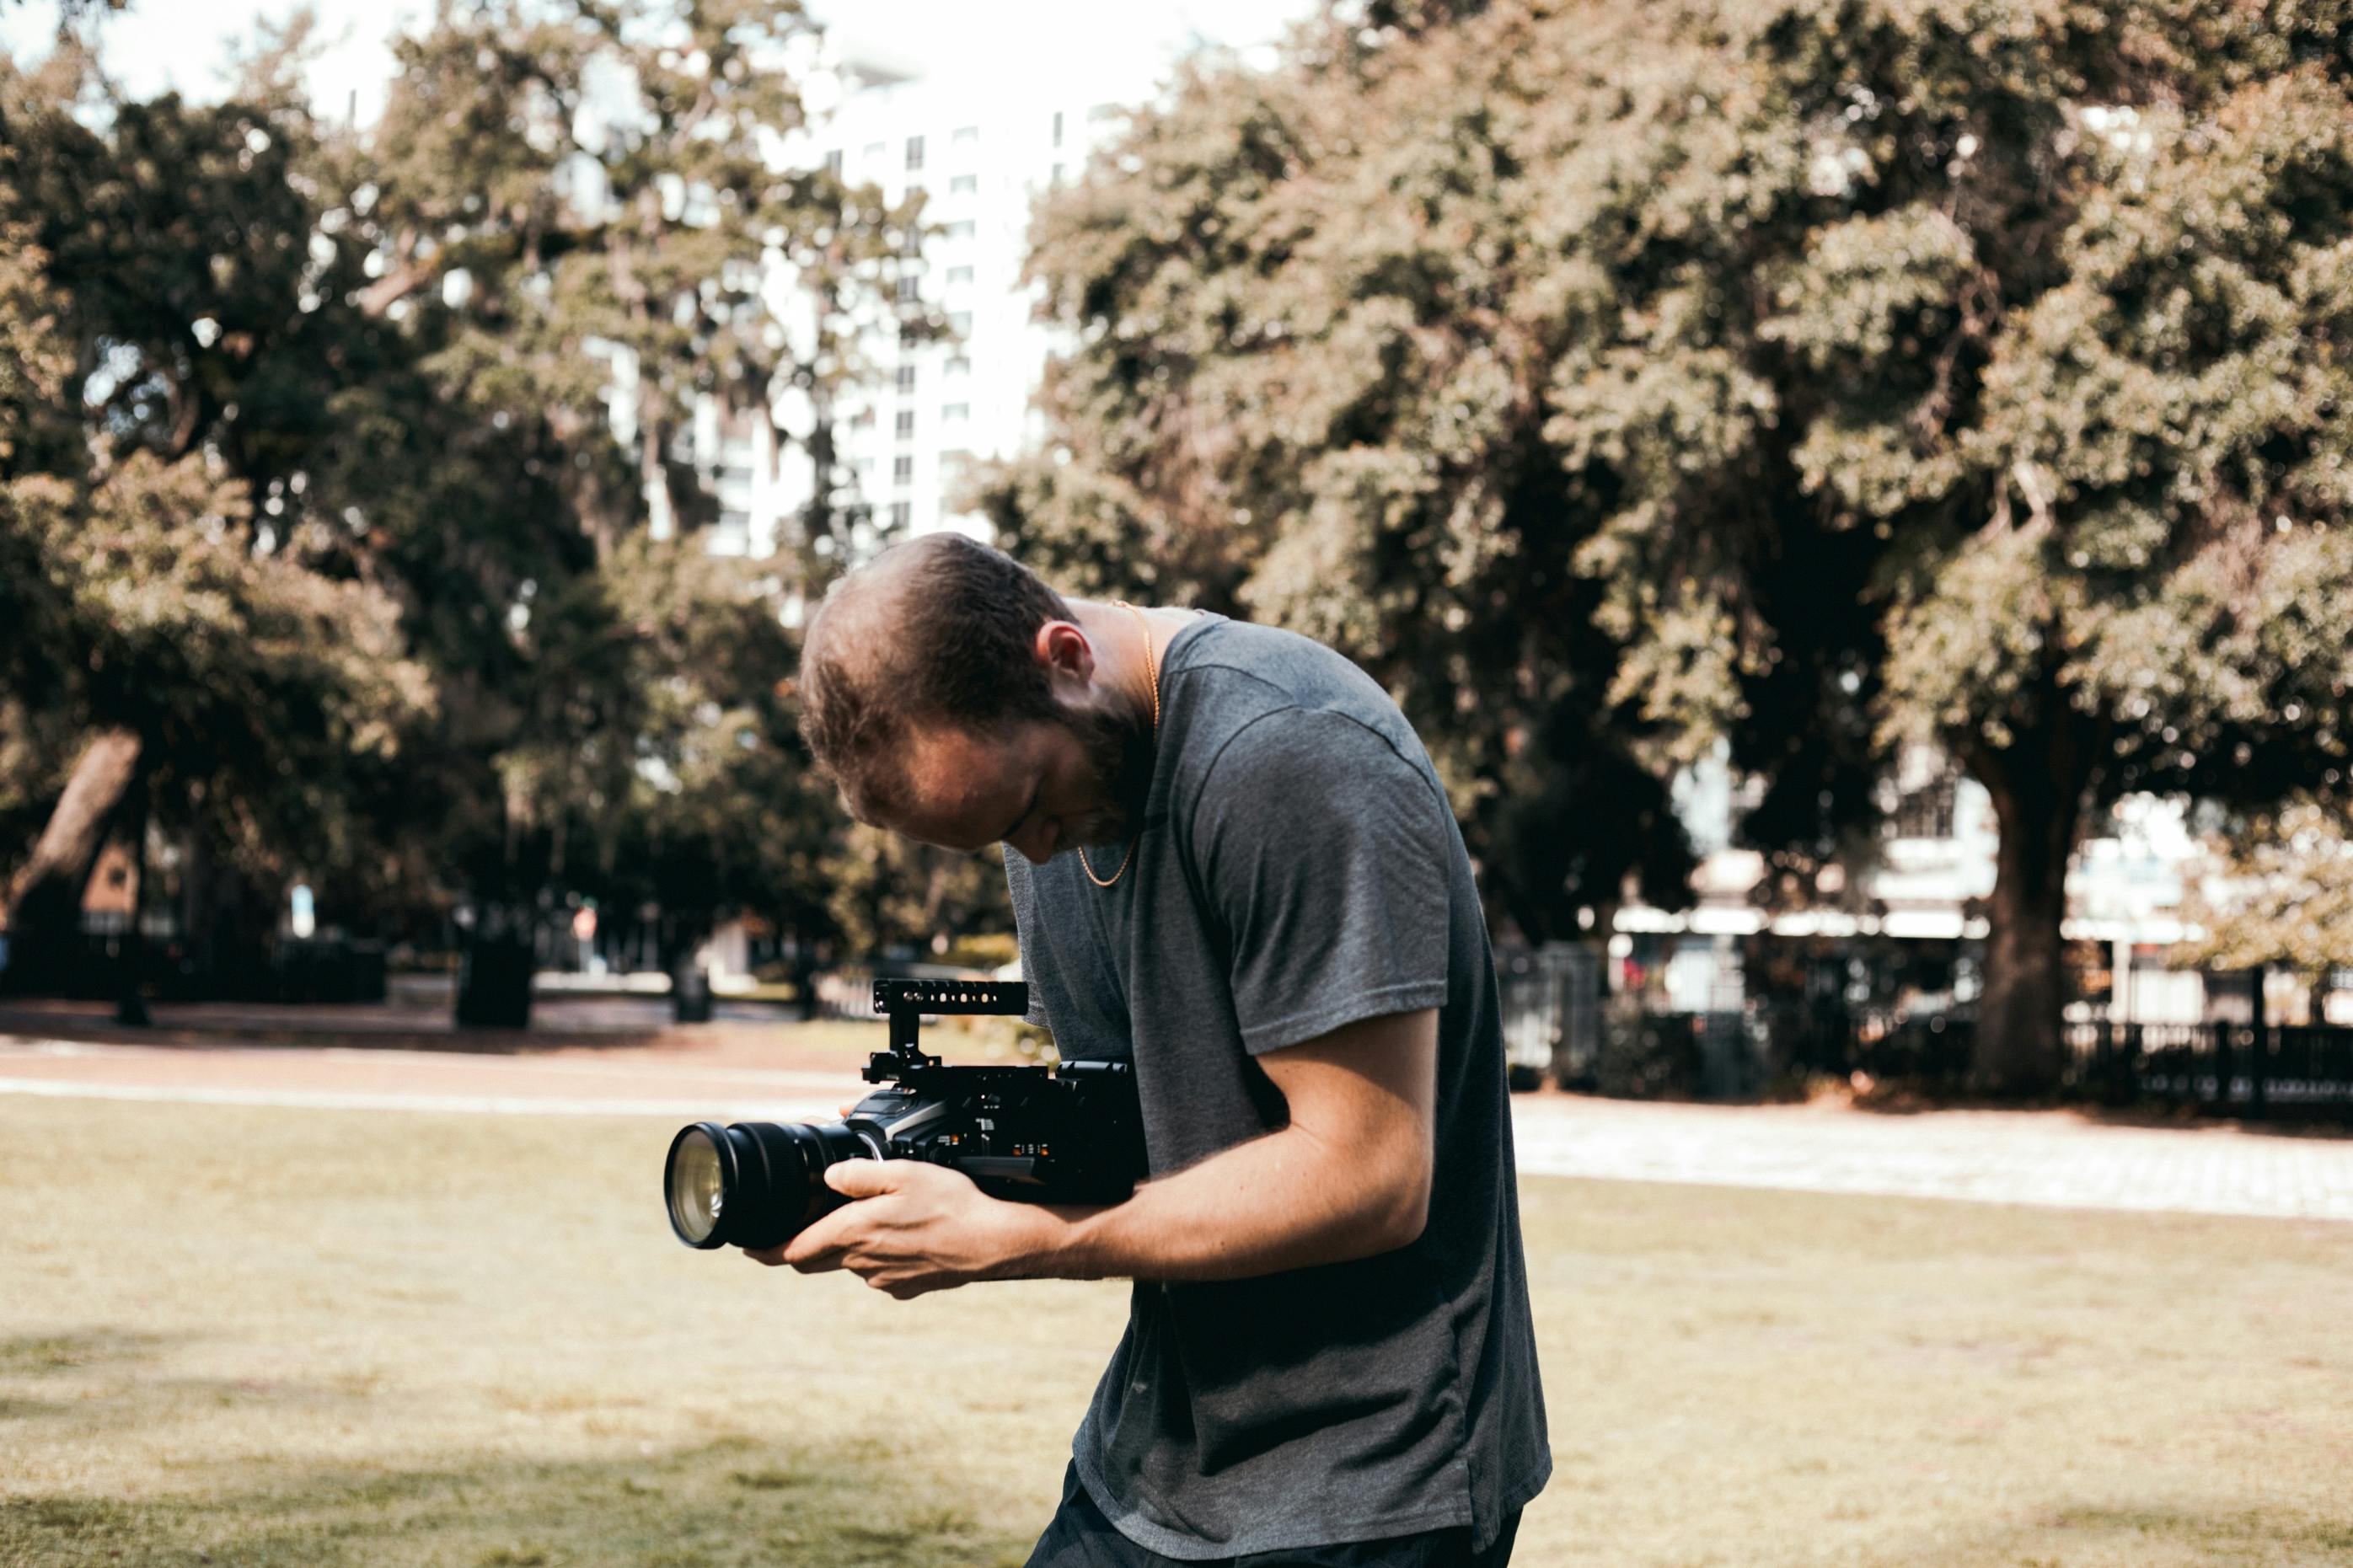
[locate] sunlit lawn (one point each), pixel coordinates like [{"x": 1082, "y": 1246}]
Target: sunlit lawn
[{"x": 262, "y": 1336}]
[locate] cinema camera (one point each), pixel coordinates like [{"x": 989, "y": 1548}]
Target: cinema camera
[{"x": 1069, "y": 1134}]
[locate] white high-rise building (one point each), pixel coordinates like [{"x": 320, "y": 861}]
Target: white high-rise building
[
  {"x": 981, "y": 113},
  {"x": 981, "y": 155},
  {"x": 980, "y": 151}
]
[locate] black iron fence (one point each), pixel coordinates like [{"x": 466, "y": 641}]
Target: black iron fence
[
  {"x": 2226, "y": 1067},
  {"x": 1551, "y": 1000},
  {"x": 1560, "y": 1025}
]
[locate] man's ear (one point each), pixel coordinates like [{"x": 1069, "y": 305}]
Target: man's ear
[{"x": 1063, "y": 648}]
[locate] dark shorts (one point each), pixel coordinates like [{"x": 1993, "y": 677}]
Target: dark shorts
[{"x": 1081, "y": 1537}]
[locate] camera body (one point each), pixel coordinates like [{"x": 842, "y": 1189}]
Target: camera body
[{"x": 1070, "y": 1134}]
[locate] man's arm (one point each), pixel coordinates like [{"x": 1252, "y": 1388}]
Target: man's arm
[{"x": 1348, "y": 1177}]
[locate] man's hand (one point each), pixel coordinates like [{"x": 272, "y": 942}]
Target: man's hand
[{"x": 911, "y": 1228}]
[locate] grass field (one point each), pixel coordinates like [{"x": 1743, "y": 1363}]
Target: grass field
[{"x": 233, "y": 1335}]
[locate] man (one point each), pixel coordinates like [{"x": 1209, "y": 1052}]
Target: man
[{"x": 1236, "y": 867}]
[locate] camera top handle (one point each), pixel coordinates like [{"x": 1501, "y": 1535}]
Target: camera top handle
[{"x": 904, "y": 1002}]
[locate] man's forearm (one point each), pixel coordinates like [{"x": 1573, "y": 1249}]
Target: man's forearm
[
  {"x": 1349, "y": 1176},
  {"x": 1279, "y": 1202}
]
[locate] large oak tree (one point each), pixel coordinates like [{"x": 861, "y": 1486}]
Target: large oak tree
[{"x": 1815, "y": 375}]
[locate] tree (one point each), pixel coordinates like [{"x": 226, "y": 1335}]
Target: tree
[
  {"x": 683, "y": 782},
  {"x": 393, "y": 357},
  {"x": 600, "y": 193},
  {"x": 2041, "y": 318},
  {"x": 216, "y": 651},
  {"x": 1302, "y": 387},
  {"x": 2282, "y": 893},
  {"x": 36, "y": 364},
  {"x": 582, "y": 206},
  {"x": 1966, "y": 371},
  {"x": 219, "y": 680},
  {"x": 884, "y": 892}
]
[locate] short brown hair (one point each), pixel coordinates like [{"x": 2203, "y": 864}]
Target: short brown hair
[{"x": 937, "y": 630}]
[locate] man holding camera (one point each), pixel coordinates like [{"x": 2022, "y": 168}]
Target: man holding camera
[{"x": 1235, "y": 865}]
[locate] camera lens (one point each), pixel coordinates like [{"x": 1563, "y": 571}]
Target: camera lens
[
  {"x": 753, "y": 1184},
  {"x": 697, "y": 1191}
]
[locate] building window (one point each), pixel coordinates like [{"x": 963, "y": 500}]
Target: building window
[
  {"x": 959, "y": 366},
  {"x": 906, "y": 378},
  {"x": 1054, "y": 175},
  {"x": 902, "y": 469},
  {"x": 906, "y": 424},
  {"x": 902, "y": 513},
  {"x": 1927, "y": 813},
  {"x": 964, "y": 185},
  {"x": 876, "y": 149},
  {"x": 1058, "y": 128},
  {"x": 833, "y": 162},
  {"x": 957, "y": 275},
  {"x": 966, "y": 135},
  {"x": 915, "y": 154},
  {"x": 963, "y": 229},
  {"x": 911, "y": 289},
  {"x": 954, "y": 413},
  {"x": 960, "y": 323}
]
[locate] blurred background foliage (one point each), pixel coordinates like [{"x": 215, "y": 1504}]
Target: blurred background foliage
[
  {"x": 319, "y": 543},
  {"x": 1806, "y": 377},
  {"x": 1811, "y": 375}
]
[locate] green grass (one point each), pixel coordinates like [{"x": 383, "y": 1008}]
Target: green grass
[{"x": 254, "y": 1336}]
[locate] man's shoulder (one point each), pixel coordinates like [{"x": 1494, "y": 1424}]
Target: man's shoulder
[
  {"x": 1217, "y": 647},
  {"x": 1254, "y": 698},
  {"x": 1232, "y": 673}
]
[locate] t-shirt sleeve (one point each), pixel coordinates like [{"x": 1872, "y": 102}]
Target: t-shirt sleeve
[{"x": 1325, "y": 854}]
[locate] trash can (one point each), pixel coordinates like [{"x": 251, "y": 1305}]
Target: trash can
[
  {"x": 689, "y": 994},
  {"x": 494, "y": 984}
]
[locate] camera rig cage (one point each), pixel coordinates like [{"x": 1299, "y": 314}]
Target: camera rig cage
[
  {"x": 905, "y": 1002},
  {"x": 1015, "y": 1115}
]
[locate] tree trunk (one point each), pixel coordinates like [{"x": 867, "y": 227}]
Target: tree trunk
[
  {"x": 2038, "y": 786},
  {"x": 130, "y": 962},
  {"x": 44, "y": 904},
  {"x": 195, "y": 908}
]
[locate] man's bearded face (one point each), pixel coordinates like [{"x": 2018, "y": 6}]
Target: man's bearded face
[
  {"x": 1079, "y": 777},
  {"x": 1116, "y": 768}
]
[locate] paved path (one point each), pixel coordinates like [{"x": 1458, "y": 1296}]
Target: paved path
[
  {"x": 2050, "y": 1158},
  {"x": 2043, "y": 1158},
  {"x": 715, "y": 1083}
]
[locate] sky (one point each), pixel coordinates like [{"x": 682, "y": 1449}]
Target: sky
[{"x": 185, "y": 44}]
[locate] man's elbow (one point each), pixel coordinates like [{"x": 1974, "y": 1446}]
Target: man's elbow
[{"x": 1405, "y": 1208}]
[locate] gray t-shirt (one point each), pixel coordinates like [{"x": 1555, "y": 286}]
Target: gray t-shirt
[{"x": 1297, "y": 869}]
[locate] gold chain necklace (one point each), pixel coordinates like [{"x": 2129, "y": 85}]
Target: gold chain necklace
[{"x": 1152, "y": 674}]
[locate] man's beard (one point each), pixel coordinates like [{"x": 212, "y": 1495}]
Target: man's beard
[{"x": 1118, "y": 751}]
